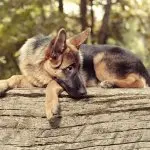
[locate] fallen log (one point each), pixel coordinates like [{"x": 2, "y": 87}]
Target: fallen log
[{"x": 107, "y": 119}]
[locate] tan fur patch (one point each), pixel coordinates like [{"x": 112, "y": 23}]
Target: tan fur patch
[
  {"x": 51, "y": 102},
  {"x": 69, "y": 58},
  {"x": 100, "y": 67},
  {"x": 131, "y": 81},
  {"x": 18, "y": 81},
  {"x": 102, "y": 72},
  {"x": 98, "y": 58}
]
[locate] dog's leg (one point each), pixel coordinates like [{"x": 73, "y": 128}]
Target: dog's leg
[
  {"x": 16, "y": 81},
  {"x": 3, "y": 86},
  {"x": 51, "y": 103},
  {"x": 107, "y": 84},
  {"x": 109, "y": 80},
  {"x": 131, "y": 81}
]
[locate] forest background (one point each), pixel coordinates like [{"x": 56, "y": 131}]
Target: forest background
[{"x": 121, "y": 22}]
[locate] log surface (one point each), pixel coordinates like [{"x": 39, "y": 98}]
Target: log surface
[{"x": 107, "y": 119}]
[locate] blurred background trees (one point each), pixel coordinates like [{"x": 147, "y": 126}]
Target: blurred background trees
[{"x": 121, "y": 22}]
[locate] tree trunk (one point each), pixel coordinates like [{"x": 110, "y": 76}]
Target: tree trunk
[
  {"x": 92, "y": 22},
  {"x": 83, "y": 14},
  {"x": 104, "y": 29},
  {"x": 60, "y": 6},
  {"x": 110, "y": 119}
]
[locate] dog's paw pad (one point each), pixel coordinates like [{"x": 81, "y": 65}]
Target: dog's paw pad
[
  {"x": 53, "y": 112},
  {"x": 54, "y": 118},
  {"x": 106, "y": 84}
]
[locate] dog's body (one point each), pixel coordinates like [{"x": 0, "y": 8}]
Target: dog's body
[
  {"x": 112, "y": 66},
  {"x": 58, "y": 65}
]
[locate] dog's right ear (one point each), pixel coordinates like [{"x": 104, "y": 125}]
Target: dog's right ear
[
  {"x": 79, "y": 39},
  {"x": 56, "y": 48}
]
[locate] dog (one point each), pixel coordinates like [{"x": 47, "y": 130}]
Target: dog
[
  {"x": 43, "y": 60},
  {"x": 62, "y": 63}
]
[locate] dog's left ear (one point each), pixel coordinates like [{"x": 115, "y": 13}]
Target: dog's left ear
[
  {"x": 78, "y": 39},
  {"x": 56, "y": 48},
  {"x": 58, "y": 44}
]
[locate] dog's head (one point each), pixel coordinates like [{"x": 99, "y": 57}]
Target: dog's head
[{"x": 63, "y": 62}]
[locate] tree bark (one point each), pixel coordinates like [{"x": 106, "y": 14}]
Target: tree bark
[
  {"x": 104, "y": 29},
  {"x": 111, "y": 119},
  {"x": 83, "y": 14}
]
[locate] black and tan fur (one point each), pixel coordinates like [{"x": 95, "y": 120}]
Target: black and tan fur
[
  {"x": 113, "y": 66},
  {"x": 66, "y": 64}
]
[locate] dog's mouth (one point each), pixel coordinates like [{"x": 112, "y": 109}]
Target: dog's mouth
[{"x": 76, "y": 92}]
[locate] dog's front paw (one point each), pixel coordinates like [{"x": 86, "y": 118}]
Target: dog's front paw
[
  {"x": 3, "y": 87},
  {"x": 106, "y": 84},
  {"x": 52, "y": 111}
]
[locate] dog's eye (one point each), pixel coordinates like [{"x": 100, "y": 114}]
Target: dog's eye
[{"x": 69, "y": 68}]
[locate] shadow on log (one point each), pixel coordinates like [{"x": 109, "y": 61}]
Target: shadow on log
[{"x": 108, "y": 119}]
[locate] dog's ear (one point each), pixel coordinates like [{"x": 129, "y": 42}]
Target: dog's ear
[
  {"x": 58, "y": 44},
  {"x": 56, "y": 48},
  {"x": 78, "y": 39}
]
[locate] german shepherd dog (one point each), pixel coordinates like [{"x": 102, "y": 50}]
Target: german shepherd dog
[{"x": 66, "y": 64}]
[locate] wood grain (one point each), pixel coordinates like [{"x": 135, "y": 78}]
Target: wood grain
[{"x": 107, "y": 119}]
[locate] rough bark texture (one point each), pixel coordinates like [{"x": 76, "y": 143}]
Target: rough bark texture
[{"x": 108, "y": 119}]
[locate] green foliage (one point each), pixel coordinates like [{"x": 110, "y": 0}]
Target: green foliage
[
  {"x": 22, "y": 19},
  {"x": 130, "y": 27}
]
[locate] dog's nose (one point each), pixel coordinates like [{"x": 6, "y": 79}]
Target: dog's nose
[{"x": 83, "y": 92}]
